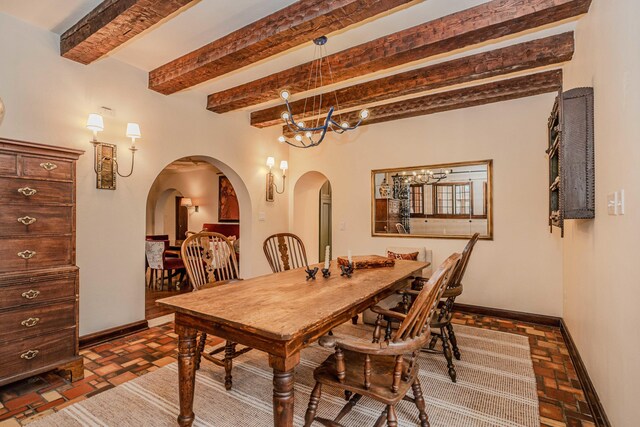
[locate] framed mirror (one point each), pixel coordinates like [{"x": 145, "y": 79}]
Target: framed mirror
[{"x": 449, "y": 201}]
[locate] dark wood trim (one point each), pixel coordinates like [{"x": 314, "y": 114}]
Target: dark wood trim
[
  {"x": 112, "y": 333},
  {"x": 595, "y": 405},
  {"x": 538, "y": 319}
]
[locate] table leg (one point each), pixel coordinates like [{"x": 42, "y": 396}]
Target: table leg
[
  {"x": 283, "y": 380},
  {"x": 186, "y": 373}
]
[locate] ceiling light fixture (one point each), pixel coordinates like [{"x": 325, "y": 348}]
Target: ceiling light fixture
[{"x": 303, "y": 134}]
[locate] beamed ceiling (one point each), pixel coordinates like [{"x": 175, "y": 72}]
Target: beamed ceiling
[{"x": 401, "y": 58}]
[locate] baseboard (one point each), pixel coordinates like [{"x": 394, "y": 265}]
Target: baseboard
[
  {"x": 538, "y": 319},
  {"x": 597, "y": 410},
  {"x": 113, "y": 333}
]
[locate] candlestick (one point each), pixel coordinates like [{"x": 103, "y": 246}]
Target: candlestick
[
  {"x": 327, "y": 257},
  {"x": 349, "y": 257}
]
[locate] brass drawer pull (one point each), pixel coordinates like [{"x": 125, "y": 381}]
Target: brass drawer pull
[
  {"x": 31, "y": 321},
  {"x": 28, "y": 254},
  {"x": 48, "y": 166},
  {"x": 30, "y": 294},
  {"x": 27, "y": 220},
  {"x": 29, "y": 354},
  {"x": 27, "y": 191}
]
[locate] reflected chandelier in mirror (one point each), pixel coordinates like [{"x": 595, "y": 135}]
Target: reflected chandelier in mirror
[{"x": 451, "y": 200}]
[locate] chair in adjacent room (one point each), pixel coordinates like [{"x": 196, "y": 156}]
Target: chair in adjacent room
[
  {"x": 210, "y": 261},
  {"x": 383, "y": 371},
  {"x": 162, "y": 266},
  {"x": 285, "y": 251}
]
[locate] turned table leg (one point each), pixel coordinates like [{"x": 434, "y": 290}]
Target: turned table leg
[
  {"x": 186, "y": 373},
  {"x": 283, "y": 380}
]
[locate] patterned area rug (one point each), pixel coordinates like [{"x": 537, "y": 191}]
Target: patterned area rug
[{"x": 496, "y": 387}]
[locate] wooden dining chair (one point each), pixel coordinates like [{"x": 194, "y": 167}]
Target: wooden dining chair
[
  {"x": 383, "y": 371},
  {"x": 210, "y": 261},
  {"x": 285, "y": 251},
  {"x": 162, "y": 266},
  {"x": 441, "y": 326}
]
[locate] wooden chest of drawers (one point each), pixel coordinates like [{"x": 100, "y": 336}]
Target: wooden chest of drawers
[{"x": 38, "y": 277}]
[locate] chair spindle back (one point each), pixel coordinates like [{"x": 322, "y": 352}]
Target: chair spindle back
[
  {"x": 285, "y": 251},
  {"x": 426, "y": 302},
  {"x": 456, "y": 280},
  {"x": 208, "y": 258}
]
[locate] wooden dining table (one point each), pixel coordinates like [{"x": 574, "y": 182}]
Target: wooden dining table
[{"x": 279, "y": 314}]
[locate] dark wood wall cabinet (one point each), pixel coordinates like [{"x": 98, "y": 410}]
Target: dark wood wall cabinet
[
  {"x": 38, "y": 275},
  {"x": 571, "y": 158}
]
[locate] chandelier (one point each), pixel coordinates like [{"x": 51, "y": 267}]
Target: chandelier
[
  {"x": 425, "y": 177},
  {"x": 307, "y": 136}
]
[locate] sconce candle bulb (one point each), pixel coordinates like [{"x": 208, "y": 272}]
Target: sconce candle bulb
[
  {"x": 271, "y": 185},
  {"x": 95, "y": 123}
]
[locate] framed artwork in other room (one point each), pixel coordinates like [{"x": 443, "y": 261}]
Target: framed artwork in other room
[{"x": 228, "y": 207}]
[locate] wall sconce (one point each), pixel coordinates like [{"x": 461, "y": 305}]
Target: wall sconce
[
  {"x": 186, "y": 201},
  {"x": 105, "y": 159},
  {"x": 271, "y": 185}
]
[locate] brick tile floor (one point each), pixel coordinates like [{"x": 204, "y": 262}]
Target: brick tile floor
[{"x": 562, "y": 401}]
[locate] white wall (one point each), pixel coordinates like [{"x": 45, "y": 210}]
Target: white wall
[
  {"x": 600, "y": 256},
  {"x": 521, "y": 269},
  {"x": 48, "y": 98}
]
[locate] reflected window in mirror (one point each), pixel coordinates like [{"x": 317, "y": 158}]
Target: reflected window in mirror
[{"x": 442, "y": 201}]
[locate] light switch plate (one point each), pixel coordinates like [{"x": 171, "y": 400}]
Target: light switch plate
[
  {"x": 621, "y": 202},
  {"x": 612, "y": 203},
  {"x": 261, "y": 216}
]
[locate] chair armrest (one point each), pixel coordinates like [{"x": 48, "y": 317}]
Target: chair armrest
[
  {"x": 409, "y": 292},
  {"x": 366, "y": 347},
  {"x": 396, "y": 315}
]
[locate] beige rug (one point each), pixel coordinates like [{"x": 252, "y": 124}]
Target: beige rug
[{"x": 496, "y": 387}]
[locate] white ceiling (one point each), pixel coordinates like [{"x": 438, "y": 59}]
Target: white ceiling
[{"x": 207, "y": 20}]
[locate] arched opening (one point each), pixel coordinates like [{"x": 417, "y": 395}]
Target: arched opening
[
  {"x": 192, "y": 194},
  {"x": 312, "y": 213}
]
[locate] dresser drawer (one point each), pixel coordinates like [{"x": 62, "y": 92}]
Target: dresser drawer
[
  {"x": 26, "y": 191},
  {"x": 32, "y": 252},
  {"x": 37, "y": 320},
  {"x": 23, "y": 220},
  {"x": 39, "y": 290},
  {"x": 42, "y": 167},
  {"x": 34, "y": 353},
  {"x": 8, "y": 164}
]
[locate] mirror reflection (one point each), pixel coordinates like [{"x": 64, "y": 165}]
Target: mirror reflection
[{"x": 446, "y": 201}]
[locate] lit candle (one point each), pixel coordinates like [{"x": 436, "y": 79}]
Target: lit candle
[
  {"x": 349, "y": 257},
  {"x": 327, "y": 256}
]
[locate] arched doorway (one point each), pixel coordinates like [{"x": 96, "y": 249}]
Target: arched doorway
[
  {"x": 312, "y": 213},
  {"x": 194, "y": 189}
]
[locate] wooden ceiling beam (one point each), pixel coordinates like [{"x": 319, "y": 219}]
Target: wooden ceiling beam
[
  {"x": 112, "y": 23},
  {"x": 287, "y": 28},
  {"x": 503, "y": 90},
  {"x": 524, "y": 56},
  {"x": 487, "y": 21}
]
